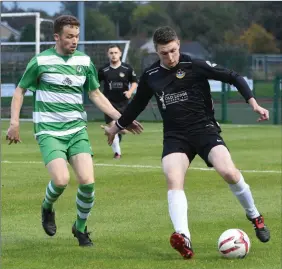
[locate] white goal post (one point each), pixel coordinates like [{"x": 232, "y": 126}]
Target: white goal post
[
  {"x": 101, "y": 42},
  {"x": 38, "y": 21},
  {"x": 16, "y": 55},
  {"x": 37, "y": 42}
]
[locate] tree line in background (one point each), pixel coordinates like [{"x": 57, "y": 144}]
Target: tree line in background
[{"x": 225, "y": 29}]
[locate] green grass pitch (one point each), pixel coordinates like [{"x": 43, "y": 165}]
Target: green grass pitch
[{"x": 129, "y": 222}]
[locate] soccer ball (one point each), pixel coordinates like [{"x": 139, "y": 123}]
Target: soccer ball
[{"x": 234, "y": 243}]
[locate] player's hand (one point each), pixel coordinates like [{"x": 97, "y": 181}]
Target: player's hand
[
  {"x": 264, "y": 113},
  {"x": 13, "y": 134},
  {"x": 110, "y": 132},
  {"x": 135, "y": 127},
  {"x": 127, "y": 94}
]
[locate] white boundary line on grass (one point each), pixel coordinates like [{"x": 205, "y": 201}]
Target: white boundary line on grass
[{"x": 146, "y": 166}]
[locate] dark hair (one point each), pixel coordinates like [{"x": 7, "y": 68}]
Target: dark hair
[
  {"x": 64, "y": 20},
  {"x": 114, "y": 46},
  {"x": 164, "y": 35}
]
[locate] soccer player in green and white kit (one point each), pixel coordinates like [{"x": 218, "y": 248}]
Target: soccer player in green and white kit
[{"x": 58, "y": 76}]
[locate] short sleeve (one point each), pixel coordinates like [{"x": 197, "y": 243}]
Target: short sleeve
[
  {"x": 29, "y": 79},
  {"x": 132, "y": 75},
  {"x": 100, "y": 75},
  {"x": 91, "y": 82}
]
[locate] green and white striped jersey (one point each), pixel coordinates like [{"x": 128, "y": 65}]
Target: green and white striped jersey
[{"x": 57, "y": 83}]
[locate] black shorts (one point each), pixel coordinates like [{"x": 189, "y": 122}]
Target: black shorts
[
  {"x": 120, "y": 107},
  {"x": 192, "y": 145}
]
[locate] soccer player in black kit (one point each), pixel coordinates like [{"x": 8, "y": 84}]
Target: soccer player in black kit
[
  {"x": 180, "y": 86},
  {"x": 117, "y": 76}
]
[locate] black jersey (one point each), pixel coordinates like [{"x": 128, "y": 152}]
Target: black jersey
[
  {"x": 182, "y": 93},
  {"x": 116, "y": 81}
]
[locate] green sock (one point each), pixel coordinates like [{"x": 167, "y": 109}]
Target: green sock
[
  {"x": 53, "y": 192},
  {"x": 84, "y": 203}
]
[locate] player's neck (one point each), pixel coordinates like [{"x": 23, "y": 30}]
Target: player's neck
[
  {"x": 167, "y": 67},
  {"x": 164, "y": 66},
  {"x": 60, "y": 52},
  {"x": 116, "y": 64}
]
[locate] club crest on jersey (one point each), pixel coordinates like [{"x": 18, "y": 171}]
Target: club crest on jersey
[
  {"x": 79, "y": 69},
  {"x": 180, "y": 74},
  {"x": 121, "y": 74}
]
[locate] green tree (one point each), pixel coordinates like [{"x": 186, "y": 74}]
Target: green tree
[
  {"x": 119, "y": 12},
  {"x": 98, "y": 26},
  {"x": 11, "y": 38},
  {"x": 202, "y": 21},
  {"x": 258, "y": 40},
  {"x": 267, "y": 14},
  {"x": 70, "y": 7},
  {"x": 234, "y": 57},
  {"x": 146, "y": 18}
]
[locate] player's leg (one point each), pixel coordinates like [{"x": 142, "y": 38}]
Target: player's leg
[
  {"x": 221, "y": 160},
  {"x": 116, "y": 142},
  {"x": 121, "y": 108},
  {"x": 80, "y": 157},
  {"x": 175, "y": 166},
  {"x": 54, "y": 155}
]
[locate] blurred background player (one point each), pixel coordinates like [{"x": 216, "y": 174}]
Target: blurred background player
[{"x": 117, "y": 77}]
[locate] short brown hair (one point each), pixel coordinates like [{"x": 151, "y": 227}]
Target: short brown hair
[
  {"x": 64, "y": 20},
  {"x": 163, "y": 35},
  {"x": 114, "y": 46}
]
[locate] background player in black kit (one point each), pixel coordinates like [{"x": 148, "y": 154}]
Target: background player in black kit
[
  {"x": 117, "y": 77},
  {"x": 180, "y": 85}
]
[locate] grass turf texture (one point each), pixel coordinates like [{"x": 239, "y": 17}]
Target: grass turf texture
[{"x": 129, "y": 222}]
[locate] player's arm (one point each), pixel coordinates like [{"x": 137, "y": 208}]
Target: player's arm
[
  {"x": 141, "y": 99},
  {"x": 133, "y": 82},
  {"x": 136, "y": 106},
  {"x": 96, "y": 96},
  {"x": 132, "y": 88},
  {"x": 13, "y": 133},
  {"x": 28, "y": 81},
  {"x": 16, "y": 105},
  {"x": 215, "y": 72},
  {"x": 99, "y": 99}
]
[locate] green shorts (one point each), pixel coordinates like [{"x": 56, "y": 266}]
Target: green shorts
[{"x": 64, "y": 146}]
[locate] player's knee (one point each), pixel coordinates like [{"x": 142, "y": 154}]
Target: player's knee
[
  {"x": 171, "y": 176},
  {"x": 174, "y": 180},
  {"x": 62, "y": 180},
  {"x": 230, "y": 175},
  {"x": 86, "y": 179}
]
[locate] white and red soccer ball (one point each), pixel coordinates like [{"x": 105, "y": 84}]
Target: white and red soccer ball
[{"x": 234, "y": 243}]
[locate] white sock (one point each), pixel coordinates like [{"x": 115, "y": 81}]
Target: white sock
[
  {"x": 243, "y": 193},
  {"x": 115, "y": 145},
  {"x": 178, "y": 211}
]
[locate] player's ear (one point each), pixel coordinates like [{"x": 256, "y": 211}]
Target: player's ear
[
  {"x": 178, "y": 42},
  {"x": 56, "y": 37}
]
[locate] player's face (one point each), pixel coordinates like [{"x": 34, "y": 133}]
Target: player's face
[
  {"x": 67, "y": 40},
  {"x": 169, "y": 53},
  {"x": 114, "y": 55}
]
